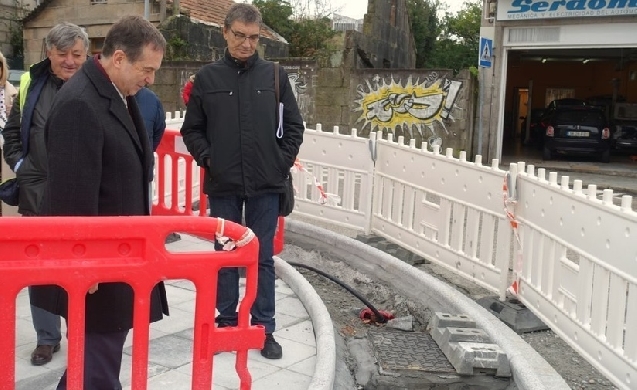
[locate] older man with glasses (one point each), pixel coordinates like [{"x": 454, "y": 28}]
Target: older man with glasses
[{"x": 231, "y": 130}]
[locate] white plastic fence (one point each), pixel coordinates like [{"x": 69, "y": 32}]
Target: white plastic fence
[
  {"x": 579, "y": 269},
  {"x": 577, "y": 254},
  {"x": 445, "y": 209}
]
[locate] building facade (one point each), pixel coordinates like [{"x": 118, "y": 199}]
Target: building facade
[{"x": 546, "y": 50}]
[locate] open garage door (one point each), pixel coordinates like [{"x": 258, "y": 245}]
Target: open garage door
[{"x": 595, "y": 64}]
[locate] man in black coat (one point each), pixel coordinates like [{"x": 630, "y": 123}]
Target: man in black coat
[
  {"x": 99, "y": 162},
  {"x": 231, "y": 129}
]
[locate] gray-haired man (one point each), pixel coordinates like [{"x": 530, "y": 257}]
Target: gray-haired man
[
  {"x": 234, "y": 135},
  {"x": 66, "y": 49}
]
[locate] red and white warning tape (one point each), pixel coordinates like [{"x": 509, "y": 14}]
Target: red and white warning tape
[
  {"x": 508, "y": 204},
  {"x": 324, "y": 197}
]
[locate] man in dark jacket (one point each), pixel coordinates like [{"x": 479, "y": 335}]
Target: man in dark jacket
[
  {"x": 154, "y": 115},
  {"x": 155, "y": 121},
  {"x": 99, "y": 161},
  {"x": 66, "y": 49},
  {"x": 231, "y": 130}
]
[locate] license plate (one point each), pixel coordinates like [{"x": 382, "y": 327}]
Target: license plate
[{"x": 577, "y": 133}]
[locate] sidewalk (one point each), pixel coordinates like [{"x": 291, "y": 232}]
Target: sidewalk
[
  {"x": 170, "y": 354},
  {"x": 619, "y": 175}
]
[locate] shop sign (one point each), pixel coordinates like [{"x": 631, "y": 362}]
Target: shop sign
[{"x": 541, "y": 9}]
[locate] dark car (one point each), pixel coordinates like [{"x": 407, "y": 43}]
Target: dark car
[
  {"x": 536, "y": 130},
  {"x": 625, "y": 127},
  {"x": 577, "y": 130},
  {"x": 563, "y": 103}
]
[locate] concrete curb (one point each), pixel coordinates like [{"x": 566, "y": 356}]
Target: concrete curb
[
  {"x": 325, "y": 368},
  {"x": 530, "y": 371}
]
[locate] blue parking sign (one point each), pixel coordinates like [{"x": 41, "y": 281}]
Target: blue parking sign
[{"x": 485, "y": 53}]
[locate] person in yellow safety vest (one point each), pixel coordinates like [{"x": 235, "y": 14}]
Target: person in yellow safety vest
[{"x": 66, "y": 49}]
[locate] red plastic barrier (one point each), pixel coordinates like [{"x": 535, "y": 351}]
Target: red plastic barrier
[
  {"x": 78, "y": 252},
  {"x": 173, "y": 148}
]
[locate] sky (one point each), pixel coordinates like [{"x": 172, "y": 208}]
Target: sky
[{"x": 357, "y": 8}]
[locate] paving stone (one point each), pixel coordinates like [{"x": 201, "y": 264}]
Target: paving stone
[
  {"x": 444, "y": 336},
  {"x": 467, "y": 357},
  {"x": 47, "y": 381},
  {"x": 446, "y": 320},
  {"x": 169, "y": 351},
  {"x": 513, "y": 313}
]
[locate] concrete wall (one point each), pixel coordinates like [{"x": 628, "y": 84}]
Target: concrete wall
[
  {"x": 173, "y": 75},
  {"x": 170, "y": 80},
  {"x": 302, "y": 74},
  {"x": 426, "y": 105}
]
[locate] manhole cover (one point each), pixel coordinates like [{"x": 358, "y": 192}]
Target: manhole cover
[{"x": 408, "y": 351}]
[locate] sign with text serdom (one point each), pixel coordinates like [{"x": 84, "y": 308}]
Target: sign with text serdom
[{"x": 551, "y": 9}]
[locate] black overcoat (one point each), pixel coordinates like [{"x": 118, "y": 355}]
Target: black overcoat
[{"x": 99, "y": 163}]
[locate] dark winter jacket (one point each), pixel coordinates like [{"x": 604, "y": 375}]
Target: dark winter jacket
[
  {"x": 231, "y": 120},
  {"x": 99, "y": 163},
  {"x": 31, "y": 174},
  {"x": 154, "y": 115}
]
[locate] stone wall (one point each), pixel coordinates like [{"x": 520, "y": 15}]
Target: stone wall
[
  {"x": 10, "y": 16},
  {"x": 302, "y": 74},
  {"x": 427, "y": 105},
  {"x": 386, "y": 41},
  {"x": 203, "y": 42},
  {"x": 422, "y": 104},
  {"x": 170, "y": 81}
]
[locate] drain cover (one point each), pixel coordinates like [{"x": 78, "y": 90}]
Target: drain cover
[{"x": 408, "y": 351}]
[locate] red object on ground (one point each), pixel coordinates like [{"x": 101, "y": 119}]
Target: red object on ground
[
  {"x": 170, "y": 151},
  {"x": 78, "y": 252},
  {"x": 368, "y": 315}
]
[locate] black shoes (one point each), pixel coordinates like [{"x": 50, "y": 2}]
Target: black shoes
[
  {"x": 43, "y": 354},
  {"x": 271, "y": 349}
]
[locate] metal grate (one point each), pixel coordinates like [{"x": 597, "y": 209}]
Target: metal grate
[
  {"x": 534, "y": 34},
  {"x": 408, "y": 351}
]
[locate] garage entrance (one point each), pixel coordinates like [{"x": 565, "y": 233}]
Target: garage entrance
[
  {"x": 538, "y": 61},
  {"x": 537, "y": 76}
]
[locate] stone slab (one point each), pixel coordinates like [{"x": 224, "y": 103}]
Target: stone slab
[
  {"x": 446, "y": 320},
  {"x": 468, "y": 357},
  {"x": 513, "y": 313}
]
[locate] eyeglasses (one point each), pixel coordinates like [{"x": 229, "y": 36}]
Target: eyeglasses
[{"x": 241, "y": 37}]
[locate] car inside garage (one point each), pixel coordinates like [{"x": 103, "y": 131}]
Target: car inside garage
[
  {"x": 583, "y": 51},
  {"x": 603, "y": 79}
]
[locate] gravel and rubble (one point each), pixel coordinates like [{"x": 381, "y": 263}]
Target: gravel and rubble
[{"x": 344, "y": 309}]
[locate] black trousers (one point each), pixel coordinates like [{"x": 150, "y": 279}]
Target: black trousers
[{"x": 102, "y": 361}]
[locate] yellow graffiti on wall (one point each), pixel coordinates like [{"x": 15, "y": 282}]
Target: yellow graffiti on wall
[{"x": 419, "y": 105}]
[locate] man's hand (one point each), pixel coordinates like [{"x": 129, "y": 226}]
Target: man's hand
[{"x": 93, "y": 288}]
